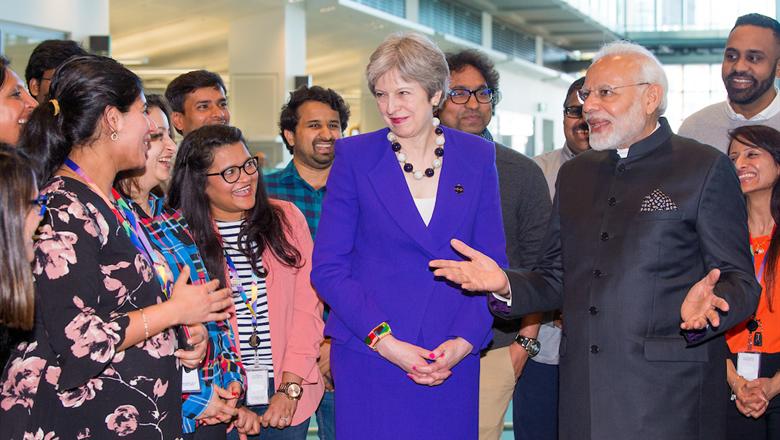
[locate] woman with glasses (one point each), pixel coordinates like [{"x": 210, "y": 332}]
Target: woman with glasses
[
  {"x": 262, "y": 249},
  {"x": 102, "y": 360},
  {"x": 403, "y": 341},
  {"x": 753, "y": 367},
  {"x": 16, "y": 104},
  {"x": 210, "y": 393},
  {"x": 21, "y": 209}
]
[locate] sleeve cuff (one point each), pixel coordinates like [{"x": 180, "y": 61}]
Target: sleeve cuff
[{"x": 505, "y": 299}]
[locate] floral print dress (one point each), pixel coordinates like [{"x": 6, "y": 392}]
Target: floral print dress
[{"x": 69, "y": 382}]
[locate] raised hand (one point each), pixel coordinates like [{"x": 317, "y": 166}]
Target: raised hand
[
  {"x": 479, "y": 274},
  {"x": 701, "y": 305},
  {"x": 194, "y": 304}
]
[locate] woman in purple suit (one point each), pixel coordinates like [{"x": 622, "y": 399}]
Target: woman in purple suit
[{"x": 405, "y": 345}]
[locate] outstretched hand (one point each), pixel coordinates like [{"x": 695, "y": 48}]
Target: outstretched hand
[
  {"x": 701, "y": 305},
  {"x": 479, "y": 274}
]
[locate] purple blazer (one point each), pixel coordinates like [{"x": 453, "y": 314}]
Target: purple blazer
[{"x": 372, "y": 250}]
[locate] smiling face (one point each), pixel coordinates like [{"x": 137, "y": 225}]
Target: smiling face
[
  {"x": 756, "y": 168},
  {"x": 575, "y": 129},
  {"x": 473, "y": 116},
  {"x": 229, "y": 201},
  {"x": 204, "y": 106},
  {"x": 16, "y": 104},
  {"x": 315, "y": 135},
  {"x": 161, "y": 150},
  {"x": 133, "y": 129},
  {"x": 626, "y": 115},
  {"x": 404, "y": 105},
  {"x": 750, "y": 65}
]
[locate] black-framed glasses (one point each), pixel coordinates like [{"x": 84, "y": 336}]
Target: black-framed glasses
[
  {"x": 573, "y": 111},
  {"x": 232, "y": 174},
  {"x": 41, "y": 202},
  {"x": 605, "y": 93},
  {"x": 483, "y": 95}
]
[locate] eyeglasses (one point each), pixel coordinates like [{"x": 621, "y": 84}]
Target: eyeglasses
[
  {"x": 41, "y": 202},
  {"x": 605, "y": 93},
  {"x": 232, "y": 174},
  {"x": 483, "y": 95},
  {"x": 573, "y": 111}
]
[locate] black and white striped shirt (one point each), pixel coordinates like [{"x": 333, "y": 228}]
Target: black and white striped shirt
[{"x": 250, "y": 356}]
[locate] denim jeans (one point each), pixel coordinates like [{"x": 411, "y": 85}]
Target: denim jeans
[
  {"x": 297, "y": 432},
  {"x": 326, "y": 417}
]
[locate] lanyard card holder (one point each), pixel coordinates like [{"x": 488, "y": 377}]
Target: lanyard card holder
[
  {"x": 748, "y": 365},
  {"x": 257, "y": 386},
  {"x": 190, "y": 380}
]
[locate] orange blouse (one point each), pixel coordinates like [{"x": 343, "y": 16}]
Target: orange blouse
[{"x": 737, "y": 337}]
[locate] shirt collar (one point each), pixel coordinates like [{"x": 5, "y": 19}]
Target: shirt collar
[
  {"x": 289, "y": 174},
  {"x": 660, "y": 135},
  {"x": 771, "y": 110},
  {"x": 567, "y": 153},
  {"x": 486, "y": 135}
]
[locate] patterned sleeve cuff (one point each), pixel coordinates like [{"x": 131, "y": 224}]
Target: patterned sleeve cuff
[{"x": 194, "y": 404}]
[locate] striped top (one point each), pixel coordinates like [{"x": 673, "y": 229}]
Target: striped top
[{"x": 250, "y": 356}]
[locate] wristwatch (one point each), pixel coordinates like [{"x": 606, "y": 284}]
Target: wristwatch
[
  {"x": 292, "y": 390},
  {"x": 531, "y": 345}
]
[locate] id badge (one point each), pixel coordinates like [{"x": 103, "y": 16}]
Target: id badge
[
  {"x": 748, "y": 365},
  {"x": 257, "y": 387},
  {"x": 190, "y": 380}
]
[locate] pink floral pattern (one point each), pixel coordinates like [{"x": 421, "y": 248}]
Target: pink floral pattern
[
  {"x": 70, "y": 382},
  {"x": 123, "y": 421}
]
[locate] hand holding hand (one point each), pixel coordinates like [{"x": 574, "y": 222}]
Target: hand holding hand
[
  {"x": 218, "y": 410},
  {"x": 479, "y": 274},
  {"x": 280, "y": 412},
  {"x": 406, "y": 356},
  {"x": 199, "y": 342},
  {"x": 193, "y": 304},
  {"x": 444, "y": 357},
  {"x": 246, "y": 423},
  {"x": 701, "y": 305}
]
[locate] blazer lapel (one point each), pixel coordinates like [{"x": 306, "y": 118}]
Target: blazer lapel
[
  {"x": 458, "y": 186},
  {"x": 391, "y": 189}
]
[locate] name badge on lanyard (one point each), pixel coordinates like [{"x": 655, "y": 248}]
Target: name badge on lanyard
[
  {"x": 190, "y": 380},
  {"x": 748, "y": 365},
  {"x": 256, "y": 386}
]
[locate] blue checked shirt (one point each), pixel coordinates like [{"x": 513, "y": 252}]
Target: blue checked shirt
[
  {"x": 287, "y": 184},
  {"x": 167, "y": 233}
]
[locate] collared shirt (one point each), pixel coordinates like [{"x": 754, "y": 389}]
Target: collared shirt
[
  {"x": 167, "y": 232},
  {"x": 551, "y": 162},
  {"x": 771, "y": 110},
  {"x": 287, "y": 184}
]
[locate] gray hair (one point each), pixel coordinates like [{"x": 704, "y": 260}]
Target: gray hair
[
  {"x": 652, "y": 71},
  {"x": 415, "y": 57}
]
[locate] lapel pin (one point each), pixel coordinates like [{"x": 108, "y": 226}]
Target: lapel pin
[{"x": 459, "y": 189}]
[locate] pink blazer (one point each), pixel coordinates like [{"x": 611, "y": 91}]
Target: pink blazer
[{"x": 295, "y": 315}]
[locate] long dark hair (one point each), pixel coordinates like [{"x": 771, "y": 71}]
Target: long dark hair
[
  {"x": 81, "y": 89},
  {"x": 126, "y": 182},
  {"x": 17, "y": 184},
  {"x": 767, "y": 139},
  {"x": 265, "y": 224}
]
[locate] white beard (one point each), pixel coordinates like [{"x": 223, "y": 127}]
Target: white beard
[{"x": 622, "y": 130}]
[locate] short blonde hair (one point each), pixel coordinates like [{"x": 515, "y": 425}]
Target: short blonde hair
[{"x": 415, "y": 57}]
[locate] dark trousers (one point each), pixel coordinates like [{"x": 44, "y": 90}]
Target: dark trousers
[
  {"x": 535, "y": 403},
  {"x": 208, "y": 432}
]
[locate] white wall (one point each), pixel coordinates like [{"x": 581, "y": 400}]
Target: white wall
[{"x": 80, "y": 18}]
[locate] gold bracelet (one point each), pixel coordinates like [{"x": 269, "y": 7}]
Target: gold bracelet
[{"x": 146, "y": 325}]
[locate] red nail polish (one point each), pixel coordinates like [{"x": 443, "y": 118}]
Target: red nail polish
[
  {"x": 432, "y": 356},
  {"x": 441, "y": 355},
  {"x": 414, "y": 368}
]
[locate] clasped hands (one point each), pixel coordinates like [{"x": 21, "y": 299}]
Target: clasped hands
[
  {"x": 752, "y": 397},
  {"x": 425, "y": 367}
]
